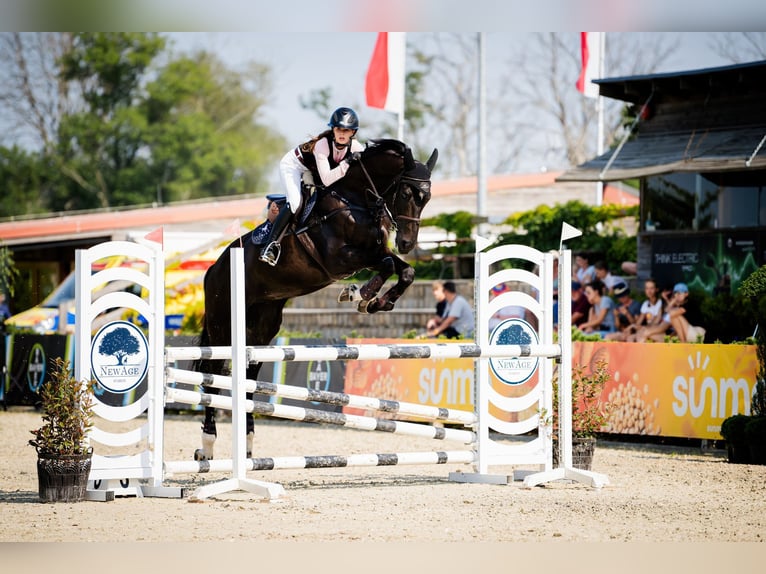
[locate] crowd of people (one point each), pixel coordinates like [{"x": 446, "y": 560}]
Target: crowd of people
[{"x": 602, "y": 304}]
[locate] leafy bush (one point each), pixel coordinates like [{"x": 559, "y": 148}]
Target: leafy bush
[{"x": 67, "y": 414}]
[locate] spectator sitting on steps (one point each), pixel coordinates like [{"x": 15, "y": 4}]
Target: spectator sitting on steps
[{"x": 457, "y": 321}]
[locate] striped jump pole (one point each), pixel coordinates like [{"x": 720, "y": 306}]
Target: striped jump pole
[
  {"x": 324, "y": 461},
  {"x": 312, "y": 395},
  {"x": 366, "y": 352},
  {"x": 326, "y": 417}
]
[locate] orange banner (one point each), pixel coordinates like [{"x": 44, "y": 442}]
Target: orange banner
[{"x": 677, "y": 390}]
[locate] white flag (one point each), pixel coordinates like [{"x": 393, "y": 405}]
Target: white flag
[{"x": 569, "y": 232}]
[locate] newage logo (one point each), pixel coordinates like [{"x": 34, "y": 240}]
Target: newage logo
[
  {"x": 514, "y": 370},
  {"x": 119, "y": 356}
]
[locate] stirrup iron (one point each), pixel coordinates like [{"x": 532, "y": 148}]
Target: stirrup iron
[{"x": 271, "y": 253}]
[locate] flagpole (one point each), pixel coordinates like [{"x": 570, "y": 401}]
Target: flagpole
[
  {"x": 600, "y": 107},
  {"x": 481, "y": 172}
]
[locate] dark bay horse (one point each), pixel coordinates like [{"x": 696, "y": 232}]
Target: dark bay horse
[{"x": 347, "y": 230}]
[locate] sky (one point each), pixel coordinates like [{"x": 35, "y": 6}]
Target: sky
[{"x": 302, "y": 62}]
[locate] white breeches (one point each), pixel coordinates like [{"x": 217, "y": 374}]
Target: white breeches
[{"x": 291, "y": 172}]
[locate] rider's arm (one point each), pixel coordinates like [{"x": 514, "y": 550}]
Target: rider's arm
[{"x": 322, "y": 152}]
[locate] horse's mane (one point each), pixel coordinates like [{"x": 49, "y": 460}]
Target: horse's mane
[
  {"x": 383, "y": 145},
  {"x": 397, "y": 147}
]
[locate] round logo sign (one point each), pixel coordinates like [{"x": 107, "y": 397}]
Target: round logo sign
[
  {"x": 36, "y": 367},
  {"x": 119, "y": 356},
  {"x": 514, "y": 370},
  {"x": 318, "y": 375}
]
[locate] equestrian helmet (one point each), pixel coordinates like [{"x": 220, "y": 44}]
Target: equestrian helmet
[{"x": 344, "y": 118}]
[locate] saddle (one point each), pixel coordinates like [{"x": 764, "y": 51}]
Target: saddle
[{"x": 260, "y": 234}]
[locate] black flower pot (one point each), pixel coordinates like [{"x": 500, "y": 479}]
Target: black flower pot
[
  {"x": 63, "y": 478},
  {"x": 582, "y": 452}
]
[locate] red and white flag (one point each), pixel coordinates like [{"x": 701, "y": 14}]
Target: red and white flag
[
  {"x": 384, "y": 86},
  {"x": 591, "y": 47}
]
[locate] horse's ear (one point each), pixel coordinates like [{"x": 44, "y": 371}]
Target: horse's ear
[
  {"x": 431, "y": 163},
  {"x": 409, "y": 161}
]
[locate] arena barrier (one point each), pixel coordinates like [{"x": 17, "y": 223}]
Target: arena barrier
[{"x": 498, "y": 364}]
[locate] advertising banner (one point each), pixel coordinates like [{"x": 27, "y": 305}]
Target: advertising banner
[
  {"x": 447, "y": 383},
  {"x": 29, "y": 364},
  {"x": 678, "y": 390},
  {"x": 708, "y": 262}
]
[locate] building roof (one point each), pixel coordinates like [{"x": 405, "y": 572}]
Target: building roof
[
  {"x": 710, "y": 120},
  {"x": 506, "y": 194}
]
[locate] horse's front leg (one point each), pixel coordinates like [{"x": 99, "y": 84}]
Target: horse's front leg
[
  {"x": 369, "y": 304},
  {"x": 386, "y": 302}
]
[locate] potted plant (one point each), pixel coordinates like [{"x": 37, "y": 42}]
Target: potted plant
[
  {"x": 63, "y": 452},
  {"x": 589, "y": 412}
]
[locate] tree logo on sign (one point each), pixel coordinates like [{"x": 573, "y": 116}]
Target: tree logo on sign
[{"x": 119, "y": 356}]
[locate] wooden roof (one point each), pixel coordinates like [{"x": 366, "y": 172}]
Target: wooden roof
[{"x": 711, "y": 120}]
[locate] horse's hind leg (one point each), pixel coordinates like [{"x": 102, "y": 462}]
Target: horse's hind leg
[{"x": 209, "y": 431}]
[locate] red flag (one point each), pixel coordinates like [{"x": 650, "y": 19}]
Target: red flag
[
  {"x": 384, "y": 86},
  {"x": 156, "y": 236},
  {"x": 590, "y": 46}
]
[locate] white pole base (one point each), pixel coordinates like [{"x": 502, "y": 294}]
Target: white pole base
[
  {"x": 267, "y": 490},
  {"x": 478, "y": 478},
  {"x": 587, "y": 477}
]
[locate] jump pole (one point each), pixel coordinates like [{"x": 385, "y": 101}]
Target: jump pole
[{"x": 238, "y": 481}]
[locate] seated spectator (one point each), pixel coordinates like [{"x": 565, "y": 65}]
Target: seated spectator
[
  {"x": 606, "y": 277},
  {"x": 652, "y": 310},
  {"x": 626, "y": 313},
  {"x": 601, "y": 316},
  {"x": 583, "y": 271},
  {"x": 580, "y": 305},
  {"x": 676, "y": 313},
  {"x": 437, "y": 288},
  {"x": 457, "y": 321}
]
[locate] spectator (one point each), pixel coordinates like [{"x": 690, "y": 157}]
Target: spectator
[
  {"x": 457, "y": 320},
  {"x": 584, "y": 272},
  {"x": 605, "y": 276},
  {"x": 580, "y": 305},
  {"x": 437, "y": 288},
  {"x": 676, "y": 314},
  {"x": 601, "y": 316},
  {"x": 626, "y": 313},
  {"x": 652, "y": 310}
]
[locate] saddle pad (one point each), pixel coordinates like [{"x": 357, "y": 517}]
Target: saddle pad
[{"x": 261, "y": 233}]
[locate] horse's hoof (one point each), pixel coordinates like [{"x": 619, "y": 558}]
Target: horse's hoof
[
  {"x": 200, "y": 455},
  {"x": 368, "y": 307},
  {"x": 349, "y": 293}
]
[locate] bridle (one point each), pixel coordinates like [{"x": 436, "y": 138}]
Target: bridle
[{"x": 395, "y": 187}]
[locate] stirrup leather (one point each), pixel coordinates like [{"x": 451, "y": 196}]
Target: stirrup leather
[{"x": 271, "y": 253}]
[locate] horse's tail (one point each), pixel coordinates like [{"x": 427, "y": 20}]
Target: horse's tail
[{"x": 202, "y": 340}]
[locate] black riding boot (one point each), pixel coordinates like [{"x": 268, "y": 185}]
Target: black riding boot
[{"x": 270, "y": 253}]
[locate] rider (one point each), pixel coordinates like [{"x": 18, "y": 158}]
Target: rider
[{"x": 326, "y": 157}]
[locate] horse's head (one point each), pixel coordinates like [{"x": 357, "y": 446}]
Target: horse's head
[
  {"x": 403, "y": 182},
  {"x": 412, "y": 195}
]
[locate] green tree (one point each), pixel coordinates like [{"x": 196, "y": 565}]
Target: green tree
[
  {"x": 202, "y": 129},
  {"x": 541, "y": 228}
]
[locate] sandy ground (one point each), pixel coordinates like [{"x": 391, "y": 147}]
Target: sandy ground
[{"x": 656, "y": 493}]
